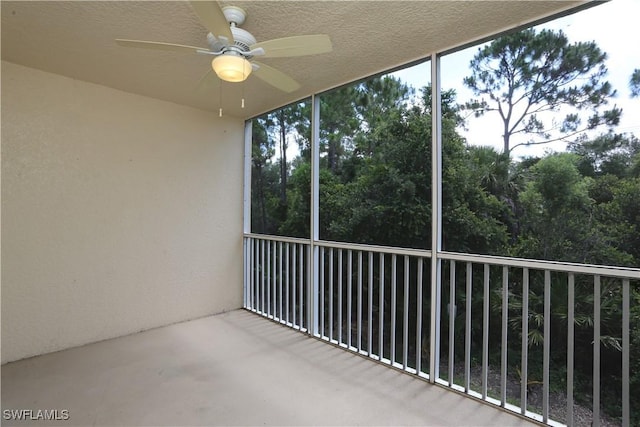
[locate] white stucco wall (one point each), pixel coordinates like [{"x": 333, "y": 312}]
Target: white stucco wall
[{"x": 119, "y": 213}]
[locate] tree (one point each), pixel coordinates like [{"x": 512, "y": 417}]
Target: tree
[
  {"x": 523, "y": 75},
  {"x": 283, "y": 121},
  {"x": 262, "y": 151},
  {"x": 338, "y": 124},
  {"x": 270, "y": 173},
  {"x": 450, "y": 108},
  {"x": 610, "y": 153},
  {"x": 634, "y": 83},
  {"x": 379, "y": 100},
  {"x": 557, "y": 211}
]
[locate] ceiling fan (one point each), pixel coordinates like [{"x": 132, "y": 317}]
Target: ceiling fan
[{"x": 234, "y": 48}]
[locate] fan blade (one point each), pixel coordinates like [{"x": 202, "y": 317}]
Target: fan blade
[
  {"x": 160, "y": 46},
  {"x": 211, "y": 16},
  {"x": 275, "y": 78},
  {"x": 295, "y": 46}
]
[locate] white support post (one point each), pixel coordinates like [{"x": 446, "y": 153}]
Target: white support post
[
  {"x": 248, "y": 135},
  {"x": 436, "y": 219},
  {"x": 246, "y": 205},
  {"x": 314, "y": 213}
]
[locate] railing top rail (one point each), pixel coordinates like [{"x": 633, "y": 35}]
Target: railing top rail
[
  {"x": 567, "y": 267},
  {"x": 602, "y": 270},
  {"x": 375, "y": 248},
  {"x": 277, "y": 238},
  {"x": 344, "y": 245}
]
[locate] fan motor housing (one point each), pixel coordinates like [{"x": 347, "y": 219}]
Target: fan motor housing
[{"x": 243, "y": 38}]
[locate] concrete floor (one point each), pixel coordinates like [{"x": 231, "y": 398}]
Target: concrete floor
[{"x": 232, "y": 369}]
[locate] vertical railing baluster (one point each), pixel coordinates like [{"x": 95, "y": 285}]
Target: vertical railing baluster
[
  {"x": 262, "y": 277},
  {"x": 301, "y": 259},
  {"x": 467, "y": 330},
  {"x": 452, "y": 317},
  {"x": 256, "y": 274},
  {"x": 625, "y": 353},
  {"x": 321, "y": 292},
  {"x": 505, "y": 319},
  {"x": 250, "y": 273},
  {"x": 349, "y": 294},
  {"x": 419, "y": 317},
  {"x": 268, "y": 280},
  {"x": 485, "y": 332},
  {"x": 288, "y": 283},
  {"x": 311, "y": 290},
  {"x": 249, "y": 270},
  {"x": 359, "y": 300},
  {"x": 570, "y": 344},
  {"x": 255, "y": 254},
  {"x": 340, "y": 296},
  {"x": 381, "y": 309},
  {"x": 294, "y": 283},
  {"x": 280, "y": 282},
  {"x": 275, "y": 278},
  {"x": 247, "y": 273},
  {"x": 596, "y": 351},
  {"x": 245, "y": 264},
  {"x": 546, "y": 348},
  {"x": 394, "y": 271},
  {"x": 525, "y": 341},
  {"x": 405, "y": 322},
  {"x": 330, "y": 294},
  {"x": 370, "y": 307}
]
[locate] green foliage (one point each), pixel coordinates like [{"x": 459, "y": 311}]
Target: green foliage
[
  {"x": 385, "y": 199},
  {"x": 270, "y": 175},
  {"x": 614, "y": 154},
  {"x": 338, "y": 123},
  {"x": 556, "y": 207},
  {"x": 570, "y": 217}
]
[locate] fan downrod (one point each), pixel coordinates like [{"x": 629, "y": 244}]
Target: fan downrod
[{"x": 235, "y": 15}]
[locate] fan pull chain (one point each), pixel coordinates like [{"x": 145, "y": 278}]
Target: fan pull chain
[
  {"x": 243, "y": 83},
  {"x": 220, "y": 98}
]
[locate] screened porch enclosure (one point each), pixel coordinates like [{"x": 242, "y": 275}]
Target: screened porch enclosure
[
  {"x": 500, "y": 329},
  {"x": 382, "y": 246}
]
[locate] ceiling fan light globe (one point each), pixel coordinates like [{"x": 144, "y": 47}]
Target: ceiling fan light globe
[{"x": 231, "y": 68}]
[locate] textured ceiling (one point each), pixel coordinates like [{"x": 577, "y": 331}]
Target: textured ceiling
[{"x": 76, "y": 39}]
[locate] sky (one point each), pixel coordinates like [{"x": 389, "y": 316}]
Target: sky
[{"x": 611, "y": 25}]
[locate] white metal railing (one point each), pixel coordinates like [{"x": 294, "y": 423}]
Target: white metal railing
[
  {"x": 503, "y": 279},
  {"x": 377, "y": 301},
  {"x": 276, "y": 278}
]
